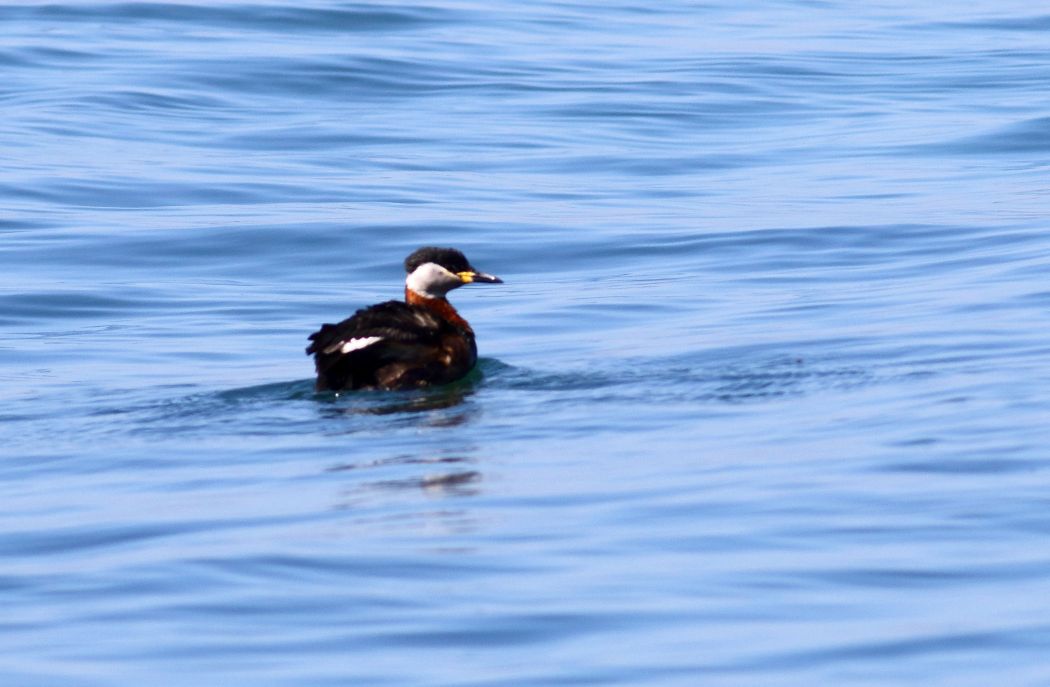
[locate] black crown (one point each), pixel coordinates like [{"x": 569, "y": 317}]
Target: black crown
[{"x": 449, "y": 258}]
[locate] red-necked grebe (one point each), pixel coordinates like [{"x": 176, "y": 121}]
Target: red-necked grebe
[{"x": 421, "y": 341}]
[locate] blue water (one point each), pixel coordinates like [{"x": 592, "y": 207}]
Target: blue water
[{"x": 763, "y": 400}]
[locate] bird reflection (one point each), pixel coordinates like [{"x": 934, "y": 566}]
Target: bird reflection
[
  {"x": 408, "y": 402},
  {"x": 385, "y": 492},
  {"x": 457, "y": 483},
  {"x": 445, "y": 481}
]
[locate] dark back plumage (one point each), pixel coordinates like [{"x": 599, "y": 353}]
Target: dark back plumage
[{"x": 412, "y": 347}]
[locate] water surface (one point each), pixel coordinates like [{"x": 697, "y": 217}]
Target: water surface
[{"x": 762, "y": 401}]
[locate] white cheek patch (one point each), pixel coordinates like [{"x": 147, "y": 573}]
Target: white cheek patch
[
  {"x": 353, "y": 344},
  {"x": 432, "y": 280}
]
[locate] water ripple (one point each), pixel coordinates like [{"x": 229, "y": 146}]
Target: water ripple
[{"x": 762, "y": 398}]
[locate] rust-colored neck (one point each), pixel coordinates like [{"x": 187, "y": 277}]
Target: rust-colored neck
[{"x": 439, "y": 306}]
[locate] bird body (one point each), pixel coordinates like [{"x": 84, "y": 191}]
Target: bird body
[{"x": 419, "y": 342}]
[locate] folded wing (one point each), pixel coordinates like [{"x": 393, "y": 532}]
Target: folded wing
[{"x": 387, "y": 346}]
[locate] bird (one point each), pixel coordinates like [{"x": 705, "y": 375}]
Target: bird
[{"x": 411, "y": 344}]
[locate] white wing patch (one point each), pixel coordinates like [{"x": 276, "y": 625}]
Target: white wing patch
[
  {"x": 353, "y": 344},
  {"x": 357, "y": 344}
]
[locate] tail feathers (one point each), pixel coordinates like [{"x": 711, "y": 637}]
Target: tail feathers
[{"x": 320, "y": 339}]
